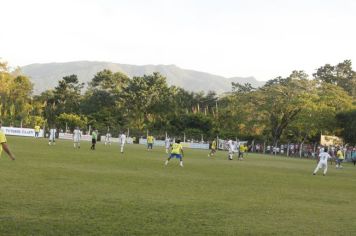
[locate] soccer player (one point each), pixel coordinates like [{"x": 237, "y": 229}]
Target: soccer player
[
  {"x": 3, "y": 144},
  {"x": 167, "y": 143},
  {"x": 122, "y": 142},
  {"x": 332, "y": 154},
  {"x": 150, "y": 141},
  {"x": 213, "y": 148},
  {"x": 177, "y": 152},
  {"x": 339, "y": 158},
  {"x": 94, "y": 136},
  {"x": 77, "y": 135},
  {"x": 231, "y": 147},
  {"x": 242, "y": 150},
  {"x": 108, "y": 139},
  {"x": 323, "y": 161},
  {"x": 37, "y": 130},
  {"x": 52, "y": 136}
]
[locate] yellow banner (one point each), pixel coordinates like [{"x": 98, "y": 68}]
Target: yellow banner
[{"x": 327, "y": 140}]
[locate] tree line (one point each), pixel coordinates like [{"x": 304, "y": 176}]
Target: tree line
[{"x": 296, "y": 108}]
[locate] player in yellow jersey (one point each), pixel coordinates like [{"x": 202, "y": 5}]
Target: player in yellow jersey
[
  {"x": 150, "y": 141},
  {"x": 242, "y": 150},
  {"x": 339, "y": 158},
  {"x": 37, "y": 130},
  {"x": 177, "y": 152},
  {"x": 3, "y": 144},
  {"x": 213, "y": 149}
]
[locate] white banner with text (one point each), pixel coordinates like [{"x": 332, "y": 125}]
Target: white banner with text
[{"x": 21, "y": 132}]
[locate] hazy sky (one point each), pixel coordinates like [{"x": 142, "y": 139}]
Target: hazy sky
[{"x": 226, "y": 37}]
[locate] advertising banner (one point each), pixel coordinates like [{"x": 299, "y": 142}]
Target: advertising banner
[
  {"x": 161, "y": 143},
  {"x": 326, "y": 140},
  {"x": 117, "y": 140},
  {"x": 21, "y": 132},
  {"x": 69, "y": 136}
]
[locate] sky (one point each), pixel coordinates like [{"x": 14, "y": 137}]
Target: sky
[{"x": 259, "y": 38}]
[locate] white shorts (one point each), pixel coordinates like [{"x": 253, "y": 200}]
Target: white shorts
[
  {"x": 231, "y": 151},
  {"x": 322, "y": 165}
]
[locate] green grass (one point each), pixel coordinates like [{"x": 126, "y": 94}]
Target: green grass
[{"x": 56, "y": 190}]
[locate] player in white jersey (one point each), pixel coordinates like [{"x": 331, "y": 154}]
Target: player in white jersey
[
  {"x": 122, "y": 142},
  {"x": 232, "y": 149},
  {"x": 323, "y": 161},
  {"x": 77, "y": 135},
  {"x": 52, "y": 136},
  {"x": 108, "y": 139},
  {"x": 167, "y": 144}
]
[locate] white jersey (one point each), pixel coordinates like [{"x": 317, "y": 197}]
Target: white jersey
[
  {"x": 323, "y": 162},
  {"x": 167, "y": 143},
  {"x": 324, "y": 156},
  {"x": 52, "y": 134},
  {"x": 231, "y": 146},
  {"x": 122, "y": 138},
  {"x": 77, "y": 134}
]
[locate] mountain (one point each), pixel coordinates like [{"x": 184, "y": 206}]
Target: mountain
[{"x": 46, "y": 76}]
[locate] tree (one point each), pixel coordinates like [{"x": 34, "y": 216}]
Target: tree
[
  {"x": 4, "y": 68},
  {"x": 47, "y": 98},
  {"x": 145, "y": 98},
  {"x": 111, "y": 82},
  {"x": 65, "y": 98},
  {"x": 240, "y": 113},
  {"x": 282, "y": 99},
  {"x": 21, "y": 91},
  {"x": 347, "y": 123},
  {"x": 67, "y": 94},
  {"x": 326, "y": 74},
  {"x": 346, "y": 77},
  {"x": 193, "y": 124},
  {"x": 71, "y": 121},
  {"x": 15, "y": 93},
  {"x": 100, "y": 108},
  {"x": 332, "y": 100},
  {"x": 242, "y": 88},
  {"x": 5, "y": 88},
  {"x": 103, "y": 102},
  {"x": 341, "y": 75}
]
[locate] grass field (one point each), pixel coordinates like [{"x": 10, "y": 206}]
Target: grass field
[{"x": 56, "y": 190}]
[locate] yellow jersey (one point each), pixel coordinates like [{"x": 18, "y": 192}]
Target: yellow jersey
[
  {"x": 213, "y": 145},
  {"x": 340, "y": 155},
  {"x": 37, "y": 128},
  {"x": 150, "y": 139},
  {"x": 2, "y": 140},
  {"x": 243, "y": 148},
  {"x": 176, "y": 148}
]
